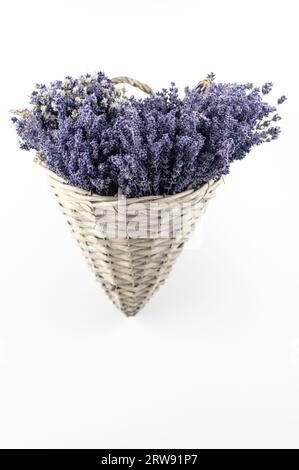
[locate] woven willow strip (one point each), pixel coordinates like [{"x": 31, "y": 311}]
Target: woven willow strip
[
  {"x": 131, "y": 81},
  {"x": 130, "y": 269},
  {"x": 130, "y": 265}
]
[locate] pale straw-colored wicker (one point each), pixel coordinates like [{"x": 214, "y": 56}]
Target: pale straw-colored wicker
[{"x": 130, "y": 264}]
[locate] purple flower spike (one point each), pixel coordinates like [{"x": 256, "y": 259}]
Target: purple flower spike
[
  {"x": 267, "y": 87},
  {"x": 281, "y": 99}
]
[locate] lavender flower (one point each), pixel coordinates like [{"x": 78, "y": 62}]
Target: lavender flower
[
  {"x": 267, "y": 87},
  {"x": 281, "y": 99},
  {"x": 98, "y": 140}
]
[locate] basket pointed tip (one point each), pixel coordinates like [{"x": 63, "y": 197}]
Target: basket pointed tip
[{"x": 130, "y": 313}]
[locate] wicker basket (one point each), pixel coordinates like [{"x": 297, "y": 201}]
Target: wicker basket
[{"x": 130, "y": 264}]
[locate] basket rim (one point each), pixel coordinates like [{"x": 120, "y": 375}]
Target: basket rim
[{"x": 204, "y": 189}]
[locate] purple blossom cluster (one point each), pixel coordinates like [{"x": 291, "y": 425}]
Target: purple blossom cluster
[{"x": 89, "y": 133}]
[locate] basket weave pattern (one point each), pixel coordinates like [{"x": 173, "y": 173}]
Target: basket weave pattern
[{"x": 129, "y": 269}]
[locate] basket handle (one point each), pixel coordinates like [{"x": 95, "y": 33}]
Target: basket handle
[{"x": 131, "y": 81}]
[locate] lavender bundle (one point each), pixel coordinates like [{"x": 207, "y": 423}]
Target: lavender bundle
[{"x": 90, "y": 134}]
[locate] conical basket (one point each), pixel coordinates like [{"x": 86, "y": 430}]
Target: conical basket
[{"x": 130, "y": 244}]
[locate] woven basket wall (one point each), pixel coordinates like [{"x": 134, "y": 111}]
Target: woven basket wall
[{"x": 131, "y": 268}]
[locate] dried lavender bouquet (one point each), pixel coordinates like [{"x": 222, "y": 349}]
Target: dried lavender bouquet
[{"x": 96, "y": 139}]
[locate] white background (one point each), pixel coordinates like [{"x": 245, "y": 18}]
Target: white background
[{"x": 213, "y": 359}]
